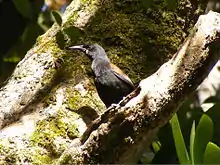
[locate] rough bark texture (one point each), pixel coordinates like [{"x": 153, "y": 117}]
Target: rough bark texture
[
  {"x": 52, "y": 96},
  {"x": 121, "y": 131}
]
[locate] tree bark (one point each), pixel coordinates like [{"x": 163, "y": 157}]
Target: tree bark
[
  {"x": 122, "y": 131},
  {"x": 50, "y": 88}
]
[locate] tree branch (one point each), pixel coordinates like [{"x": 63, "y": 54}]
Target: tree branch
[
  {"x": 123, "y": 131},
  {"x": 35, "y": 75}
]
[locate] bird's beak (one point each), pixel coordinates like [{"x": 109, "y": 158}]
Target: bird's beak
[{"x": 78, "y": 47}]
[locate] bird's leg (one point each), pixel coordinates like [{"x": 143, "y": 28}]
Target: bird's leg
[
  {"x": 115, "y": 105},
  {"x": 110, "y": 110},
  {"x": 127, "y": 98}
]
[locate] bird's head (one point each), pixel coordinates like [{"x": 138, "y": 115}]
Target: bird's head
[{"x": 93, "y": 51}]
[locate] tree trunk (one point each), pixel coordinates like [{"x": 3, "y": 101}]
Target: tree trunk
[{"x": 60, "y": 114}]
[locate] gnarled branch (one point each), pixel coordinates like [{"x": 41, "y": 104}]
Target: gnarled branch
[{"x": 123, "y": 131}]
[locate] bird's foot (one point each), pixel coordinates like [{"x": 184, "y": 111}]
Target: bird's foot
[
  {"x": 122, "y": 102},
  {"x": 119, "y": 104},
  {"x": 114, "y": 106}
]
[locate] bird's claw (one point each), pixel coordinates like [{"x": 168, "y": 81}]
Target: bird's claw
[{"x": 115, "y": 105}]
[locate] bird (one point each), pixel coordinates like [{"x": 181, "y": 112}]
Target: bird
[{"x": 111, "y": 82}]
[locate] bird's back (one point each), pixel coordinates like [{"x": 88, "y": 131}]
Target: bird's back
[{"x": 111, "y": 85}]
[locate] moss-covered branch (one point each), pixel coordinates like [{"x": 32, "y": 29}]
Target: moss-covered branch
[
  {"x": 39, "y": 71},
  {"x": 119, "y": 134},
  {"x": 55, "y": 87}
]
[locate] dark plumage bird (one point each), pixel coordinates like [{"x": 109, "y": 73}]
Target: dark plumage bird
[{"x": 111, "y": 83}]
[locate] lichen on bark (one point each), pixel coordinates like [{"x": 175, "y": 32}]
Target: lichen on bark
[{"x": 137, "y": 39}]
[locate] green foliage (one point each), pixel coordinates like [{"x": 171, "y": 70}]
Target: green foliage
[
  {"x": 179, "y": 141},
  {"x": 24, "y": 7},
  {"x": 24, "y": 43},
  {"x": 73, "y": 33},
  {"x": 60, "y": 39},
  {"x": 192, "y": 139},
  {"x": 57, "y": 17},
  {"x": 203, "y": 135},
  {"x": 201, "y": 149},
  {"x": 194, "y": 146},
  {"x": 213, "y": 112},
  {"x": 156, "y": 146},
  {"x": 212, "y": 154}
]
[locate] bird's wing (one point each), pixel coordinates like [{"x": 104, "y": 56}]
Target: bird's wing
[{"x": 121, "y": 75}]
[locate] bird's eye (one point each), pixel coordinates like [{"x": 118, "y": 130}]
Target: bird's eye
[
  {"x": 89, "y": 47},
  {"x": 86, "y": 46}
]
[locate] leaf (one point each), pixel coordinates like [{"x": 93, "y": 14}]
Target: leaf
[
  {"x": 179, "y": 141},
  {"x": 192, "y": 138},
  {"x": 204, "y": 132},
  {"x": 23, "y": 7},
  {"x": 213, "y": 112},
  {"x": 171, "y": 4},
  {"x": 165, "y": 138},
  {"x": 156, "y": 146},
  {"x": 73, "y": 32},
  {"x": 212, "y": 154},
  {"x": 29, "y": 36},
  {"x": 57, "y": 17},
  {"x": 60, "y": 39}
]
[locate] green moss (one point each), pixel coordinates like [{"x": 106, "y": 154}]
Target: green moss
[
  {"x": 41, "y": 157},
  {"x": 67, "y": 159},
  {"x": 138, "y": 40},
  {"x": 48, "y": 130},
  {"x": 50, "y": 139},
  {"x": 8, "y": 154},
  {"x": 76, "y": 100},
  {"x": 46, "y": 134}
]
